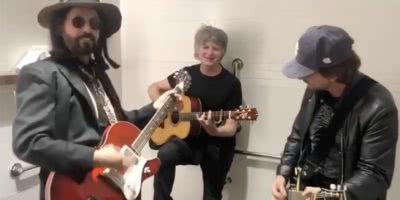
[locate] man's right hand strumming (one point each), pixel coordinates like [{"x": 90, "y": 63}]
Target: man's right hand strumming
[
  {"x": 279, "y": 189},
  {"x": 108, "y": 156}
]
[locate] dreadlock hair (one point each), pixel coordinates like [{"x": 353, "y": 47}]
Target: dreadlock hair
[
  {"x": 60, "y": 51},
  {"x": 101, "y": 49}
]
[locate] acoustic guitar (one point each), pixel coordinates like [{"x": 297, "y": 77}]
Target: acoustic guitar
[
  {"x": 107, "y": 183},
  {"x": 183, "y": 123}
]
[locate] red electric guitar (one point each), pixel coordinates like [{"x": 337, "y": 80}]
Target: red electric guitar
[{"x": 112, "y": 184}]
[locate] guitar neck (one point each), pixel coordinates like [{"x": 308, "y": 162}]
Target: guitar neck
[
  {"x": 215, "y": 115},
  {"x": 152, "y": 125},
  {"x": 329, "y": 194},
  {"x": 323, "y": 195}
]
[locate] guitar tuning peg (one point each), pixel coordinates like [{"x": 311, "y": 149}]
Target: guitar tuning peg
[
  {"x": 339, "y": 187},
  {"x": 342, "y": 188}
]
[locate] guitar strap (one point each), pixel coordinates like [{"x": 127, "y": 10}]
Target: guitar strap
[
  {"x": 314, "y": 160},
  {"x": 94, "y": 82}
]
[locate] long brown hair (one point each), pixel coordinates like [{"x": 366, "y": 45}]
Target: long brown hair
[{"x": 344, "y": 71}]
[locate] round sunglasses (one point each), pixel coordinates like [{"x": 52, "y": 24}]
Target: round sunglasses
[{"x": 79, "y": 22}]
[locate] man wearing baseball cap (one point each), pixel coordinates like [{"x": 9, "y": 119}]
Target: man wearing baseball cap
[
  {"x": 66, "y": 102},
  {"x": 347, "y": 128}
]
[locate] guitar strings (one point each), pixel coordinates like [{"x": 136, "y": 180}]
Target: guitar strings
[{"x": 146, "y": 133}]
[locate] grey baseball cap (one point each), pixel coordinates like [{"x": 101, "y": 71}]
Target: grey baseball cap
[{"x": 319, "y": 47}]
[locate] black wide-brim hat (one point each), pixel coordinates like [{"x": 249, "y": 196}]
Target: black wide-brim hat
[{"x": 109, "y": 13}]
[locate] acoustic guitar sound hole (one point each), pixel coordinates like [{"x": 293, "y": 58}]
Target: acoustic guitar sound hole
[{"x": 175, "y": 117}]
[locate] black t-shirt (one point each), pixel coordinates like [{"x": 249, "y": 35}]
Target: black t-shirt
[
  {"x": 322, "y": 118},
  {"x": 222, "y": 91}
]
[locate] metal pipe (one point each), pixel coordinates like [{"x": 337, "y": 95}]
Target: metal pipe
[
  {"x": 257, "y": 154},
  {"x": 17, "y": 169},
  {"x": 237, "y": 64}
]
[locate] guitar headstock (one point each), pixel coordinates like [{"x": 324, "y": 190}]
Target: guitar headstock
[
  {"x": 335, "y": 192},
  {"x": 183, "y": 80},
  {"x": 248, "y": 113}
]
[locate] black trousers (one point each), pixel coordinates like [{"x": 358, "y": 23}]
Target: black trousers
[{"x": 214, "y": 160}]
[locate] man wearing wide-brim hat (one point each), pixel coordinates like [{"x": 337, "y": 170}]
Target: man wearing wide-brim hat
[
  {"x": 109, "y": 13},
  {"x": 65, "y": 102}
]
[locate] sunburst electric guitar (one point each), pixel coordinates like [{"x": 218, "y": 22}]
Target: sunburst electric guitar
[
  {"x": 183, "y": 123},
  {"x": 112, "y": 184}
]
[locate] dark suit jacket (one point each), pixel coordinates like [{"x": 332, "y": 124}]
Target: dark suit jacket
[{"x": 55, "y": 126}]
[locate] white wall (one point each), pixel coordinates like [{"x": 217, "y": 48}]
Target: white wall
[
  {"x": 18, "y": 31},
  {"x": 157, "y": 38}
]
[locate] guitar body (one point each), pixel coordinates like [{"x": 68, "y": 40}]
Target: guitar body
[
  {"x": 173, "y": 127},
  {"x": 102, "y": 183}
]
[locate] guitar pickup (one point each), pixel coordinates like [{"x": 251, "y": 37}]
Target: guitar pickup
[{"x": 130, "y": 156}]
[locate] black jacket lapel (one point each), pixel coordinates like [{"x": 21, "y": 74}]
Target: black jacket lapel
[
  {"x": 73, "y": 77},
  {"x": 311, "y": 102}
]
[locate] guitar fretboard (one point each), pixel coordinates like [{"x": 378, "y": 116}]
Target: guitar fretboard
[
  {"x": 154, "y": 122},
  {"x": 215, "y": 115}
]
